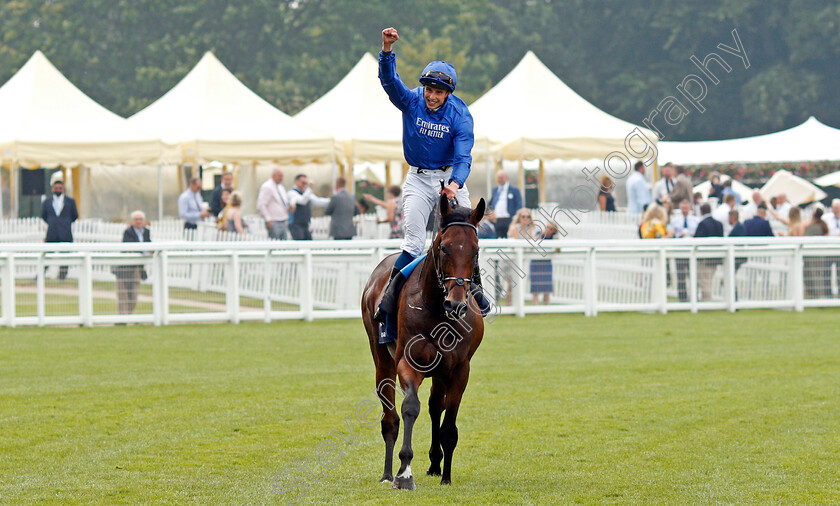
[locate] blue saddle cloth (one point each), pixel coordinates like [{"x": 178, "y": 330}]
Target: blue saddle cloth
[{"x": 408, "y": 269}]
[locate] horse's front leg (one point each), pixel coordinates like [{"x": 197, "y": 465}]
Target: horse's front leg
[
  {"x": 410, "y": 380},
  {"x": 436, "y": 399},
  {"x": 449, "y": 431},
  {"x": 386, "y": 390}
]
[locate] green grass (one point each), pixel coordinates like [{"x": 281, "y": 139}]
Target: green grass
[{"x": 622, "y": 408}]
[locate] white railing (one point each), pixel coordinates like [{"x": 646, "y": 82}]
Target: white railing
[
  {"x": 591, "y": 225},
  {"x": 274, "y": 280}
]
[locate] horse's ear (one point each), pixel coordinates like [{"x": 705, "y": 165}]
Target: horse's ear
[
  {"x": 477, "y": 213},
  {"x": 444, "y": 205}
]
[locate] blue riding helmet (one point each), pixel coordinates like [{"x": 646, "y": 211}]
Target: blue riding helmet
[{"x": 439, "y": 74}]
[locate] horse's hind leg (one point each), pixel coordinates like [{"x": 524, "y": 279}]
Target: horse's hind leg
[
  {"x": 448, "y": 430},
  {"x": 386, "y": 389},
  {"x": 436, "y": 399}
]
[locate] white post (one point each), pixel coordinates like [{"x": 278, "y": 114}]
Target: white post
[
  {"x": 86, "y": 290},
  {"x": 797, "y": 279},
  {"x": 232, "y": 296},
  {"x": 519, "y": 288},
  {"x": 729, "y": 278},
  {"x": 267, "y": 286},
  {"x": 8, "y": 275},
  {"x": 39, "y": 290},
  {"x": 692, "y": 279},
  {"x": 164, "y": 287},
  {"x": 660, "y": 281},
  {"x": 157, "y": 288},
  {"x": 306, "y": 291}
]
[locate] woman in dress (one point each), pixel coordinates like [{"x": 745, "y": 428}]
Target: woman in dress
[
  {"x": 393, "y": 209},
  {"x": 606, "y": 201},
  {"x": 234, "y": 214}
]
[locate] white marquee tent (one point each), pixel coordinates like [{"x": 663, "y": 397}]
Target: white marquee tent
[
  {"x": 216, "y": 117},
  {"x": 811, "y": 140},
  {"x": 797, "y": 190},
  {"x": 47, "y": 121},
  {"x": 536, "y": 115}
]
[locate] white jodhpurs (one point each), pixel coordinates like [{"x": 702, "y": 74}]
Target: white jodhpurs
[{"x": 421, "y": 192}]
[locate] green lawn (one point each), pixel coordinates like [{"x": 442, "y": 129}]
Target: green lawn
[{"x": 622, "y": 408}]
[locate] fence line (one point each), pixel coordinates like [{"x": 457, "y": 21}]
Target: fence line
[{"x": 233, "y": 281}]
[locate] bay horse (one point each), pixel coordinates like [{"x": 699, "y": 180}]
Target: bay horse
[{"x": 439, "y": 328}]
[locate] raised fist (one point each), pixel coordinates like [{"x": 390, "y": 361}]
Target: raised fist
[{"x": 389, "y": 36}]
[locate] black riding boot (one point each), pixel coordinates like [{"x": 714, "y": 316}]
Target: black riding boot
[
  {"x": 388, "y": 304},
  {"x": 477, "y": 290}
]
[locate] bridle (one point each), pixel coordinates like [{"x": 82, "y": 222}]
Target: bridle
[{"x": 435, "y": 252}]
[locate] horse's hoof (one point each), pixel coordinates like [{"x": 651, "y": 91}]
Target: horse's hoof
[
  {"x": 433, "y": 471},
  {"x": 445, "y": 482},
  {"x": 386, "y": 478},
  {"x": 403, "y": 483},
  {"x": 404, "y": 480}
]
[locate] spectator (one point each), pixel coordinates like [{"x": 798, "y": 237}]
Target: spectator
[
  {"x": 191, "y": 206},
  {"x": 542, "y": 282},
  {"x": 606, "y": 201},
  {"x": 487, "y": 226},
  {"x": 221, "y": 221},
  {"x": 796, "y": 227},
  {"x": 722, "y": 212},
  {"x": 683, "y": 225},
  {"x": 683, "y": 189},
  {"x": 817, "y": 270},
  {"x": 663, "y": 188},
  {"x": 708, "y": 227},
  {"x": 727, "y": 190},
  {"x": 653, "y": 223},
  {"x": 342, "y": 207},
  {"x": 698, "y": 201},
  {"x": 130, "y": 276},
  {"x": 748, "y": 211},
  {"x": 394, "y": 210},
  {"x": 216, "y": 204},
  {"x": 523, "y": 227},
  {"x": 301, "y": 198},
  {"x": 832, "y": 219},
  {"x": 716, "y": 191},
  {"x": 638, "y": 191},
  {"x": 758, "y": 226},
  {"x": 736, "y": 229},
  {"x": 505, "y": 201},
  {"x": 233, "y": 216},
  {"x": 59, "y": 212},
  {"x": 273, "y": 204},
  {"x": 782, "y": 207}
]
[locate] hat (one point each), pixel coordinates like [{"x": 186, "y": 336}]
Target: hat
[{"x": 439, "y": 74}]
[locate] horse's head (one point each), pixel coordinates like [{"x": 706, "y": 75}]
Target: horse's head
[{"x": 456, "y": 253}]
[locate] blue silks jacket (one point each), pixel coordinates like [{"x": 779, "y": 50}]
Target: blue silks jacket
[{"x": 430, "y": 139}]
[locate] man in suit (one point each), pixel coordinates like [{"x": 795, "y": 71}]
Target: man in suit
[
  {"x": 130, "y": 276},
  {"x": 342, "y": 207},
  {"x": 505, "y": 201},
  {"x": 216, "y": 204},
  {"x": 59, "y": 211},
  {"x": 684, "y": 224},
  {"x": 708, "y": 227},
  {"x": 301, "y": 200},
  {"x": 758, "y": 226},
  {"x": 683, "y": 189}
]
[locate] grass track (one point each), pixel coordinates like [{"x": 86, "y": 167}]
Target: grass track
[{"x": 622, "y": 408}]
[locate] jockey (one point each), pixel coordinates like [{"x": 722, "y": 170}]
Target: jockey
[{"x": 437, "y": 140}]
